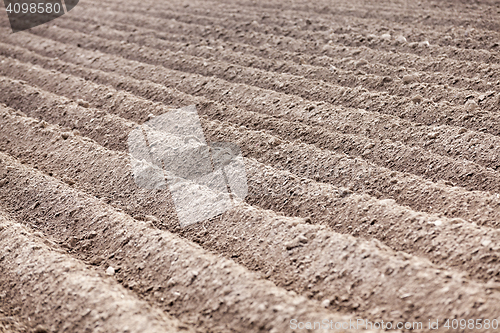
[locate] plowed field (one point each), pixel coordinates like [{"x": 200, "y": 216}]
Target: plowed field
[{"x": 370, "y": 137}]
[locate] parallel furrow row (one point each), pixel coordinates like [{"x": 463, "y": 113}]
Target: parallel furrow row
[
  {"x": 416, "y": 160},
  {"x": 426, "y": 196},
  {"x": 390, "y": 222},
  {"x": 342, "y": 58},
  {"x": 55, "y": 285},
  {"x": 423, "y": 110},
  {"x": 369, "y": 133},
  {"x": 285, "y": 21},
  {"x": 481, "y": 16},
  {"x": 404, "y": 17},
  {"x": 306, "y": 258},
  {"x": 375, "y": 126},
  {"x": 181, "y": 278},
  {"x": 195, "y": 45},
  {"x": 317, "y": 42},
  {"x": 439, "y": 15}
]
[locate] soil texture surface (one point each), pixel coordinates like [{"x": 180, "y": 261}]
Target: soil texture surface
[{"x": 357, "y": 144}]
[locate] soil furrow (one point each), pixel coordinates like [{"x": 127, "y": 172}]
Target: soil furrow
[
  {"x": 394, "y": 155},
  {"x": 362, "y": 8},
  {"x": 223, "y": 52},
  {"x": 426, "y": 14},
  {"x": 314, "y": 42},
  {"x": 396, "y": 12},
  {"x": 352, "y": 215},
  {"x": 49, "y": 289},
  {"x": 201, "y": 289},
  {"x": 365, "y": 186},
  {"x": 344, "y": 60},
  {"x": 421, "y": 110},
  {"x": 477, "y": 82},
  {"x": 464, "y": 44},
  {"x": 407, "y": 190},
  {"x": 448, "y": 142},
  {"x": 469, "y": 37},
  {"x": 248, "y": 233}
]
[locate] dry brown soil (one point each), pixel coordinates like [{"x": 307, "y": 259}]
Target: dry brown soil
[{"x": 370, "y": 134}]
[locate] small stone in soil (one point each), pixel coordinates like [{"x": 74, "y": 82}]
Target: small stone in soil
[
  {"x": 409, "y": 78},
  {"x": 416, "y": 99},
  {"x": 110, "y": 271},
  {"x": 401, "y": 39},
  {"x": 386, "y": 37},
  {"x": 83, "y": 103},
  {"x": 471, "y": 105}
]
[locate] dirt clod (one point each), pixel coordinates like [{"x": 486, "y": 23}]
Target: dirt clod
[
  {"x": 73, "y": 242},
  {"x": 110, "y": 271},
  {"x": 471, "y": 105},
  {"x": 69, "y": 181},
  {"x": 386, "y": 36},
  {"x": 409, "y": 78},
  {"x": 151, "y": 218},
  {"x": 417, "y": 99},
  {"x": 82, "y": 103},
  {"x": 401, "y": 39},
  {"x": 40, "y": 329},
  {"x": 432, "y": 135},
  {"x": 361, "y": 63}
]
